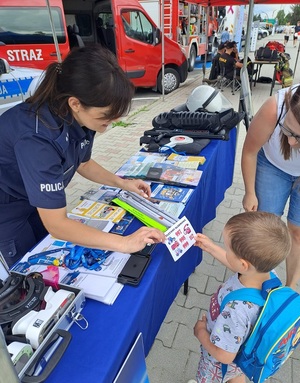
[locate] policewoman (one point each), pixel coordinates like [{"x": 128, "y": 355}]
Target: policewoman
[{"x": 46, "y": 139}]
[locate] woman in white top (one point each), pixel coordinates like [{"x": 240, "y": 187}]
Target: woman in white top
[{"x": 271, "y": 166}]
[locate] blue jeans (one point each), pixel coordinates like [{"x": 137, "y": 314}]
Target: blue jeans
[{"x": 273, "y": 189}]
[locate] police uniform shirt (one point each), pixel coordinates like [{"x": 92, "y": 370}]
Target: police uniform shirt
[
  {"x": 229, "y": 62},
  {"x": 39, "y": 154}
]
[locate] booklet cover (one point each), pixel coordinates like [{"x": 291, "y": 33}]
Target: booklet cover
[
  {"x": 173, "y": 175},
  {"x": 189, "y": 162},
  {"x": 171, "y": 193},
  {"x": 138, "y": 165}
]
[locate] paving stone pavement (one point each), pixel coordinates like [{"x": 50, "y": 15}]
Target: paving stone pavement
[{"x": 174, "y": 355}]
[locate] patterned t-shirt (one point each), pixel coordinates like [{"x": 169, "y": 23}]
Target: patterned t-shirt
[{"x": 230, "y": 328}]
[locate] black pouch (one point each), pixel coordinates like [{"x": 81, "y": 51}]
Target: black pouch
[{"x": 134, "y": 269}]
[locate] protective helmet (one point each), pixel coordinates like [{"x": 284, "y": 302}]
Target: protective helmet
[{"x": 208, "y": 98}]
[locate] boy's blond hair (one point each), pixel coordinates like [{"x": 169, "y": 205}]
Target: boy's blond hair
[{"x": 260, "y": 238}]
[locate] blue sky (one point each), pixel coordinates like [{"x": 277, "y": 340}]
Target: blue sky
[{"x": 270, "y": 9}]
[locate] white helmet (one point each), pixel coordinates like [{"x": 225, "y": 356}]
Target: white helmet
[{"x": 208, "y": 98}]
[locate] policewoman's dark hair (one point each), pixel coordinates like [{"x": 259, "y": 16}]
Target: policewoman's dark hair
[
  {"x": 93, "y": 76},
  {"x": 292, "y": 102}
]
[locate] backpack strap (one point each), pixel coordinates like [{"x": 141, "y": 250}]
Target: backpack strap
[
  {"x": 244, "y": 294},
  {"x": 253, "y": 295}
]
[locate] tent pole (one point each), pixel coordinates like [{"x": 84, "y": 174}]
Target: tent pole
[
  {"x": 296, "y": 58},
  {"x": 162, "y": 23},
  {"x": 206, "y": 43},
  {"x": 53, "y": 32},
  {"x": 248, "y": 35}
]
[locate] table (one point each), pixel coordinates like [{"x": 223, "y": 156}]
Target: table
[
  {"x": 258, "y": 64},
  {"x": 96, "y": 354}
]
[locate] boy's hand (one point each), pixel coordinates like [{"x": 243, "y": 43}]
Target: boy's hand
[
  {"x": 200, "y": 326},
  {"x": 203, "y": 242}
]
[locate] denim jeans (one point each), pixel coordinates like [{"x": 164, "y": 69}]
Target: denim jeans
[{"x": 273, "y": 189}]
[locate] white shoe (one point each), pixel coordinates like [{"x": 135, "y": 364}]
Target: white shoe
[{"x": 192, "y": 381}]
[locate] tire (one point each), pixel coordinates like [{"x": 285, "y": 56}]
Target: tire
[
  {"x": 171, "y": 81},
  {"x": 192, "y": 59},
  {"x": 259, "y": 36}
]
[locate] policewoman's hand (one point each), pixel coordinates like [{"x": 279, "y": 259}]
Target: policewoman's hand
[
  {"x": 140, "y": 238},
  {"x": 137, "y": 186}
]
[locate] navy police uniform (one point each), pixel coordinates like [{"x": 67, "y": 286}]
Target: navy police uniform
[{"x": 39, "y": 154}]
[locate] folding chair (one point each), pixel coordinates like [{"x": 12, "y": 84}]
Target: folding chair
[{"x": 226, "y": 80}]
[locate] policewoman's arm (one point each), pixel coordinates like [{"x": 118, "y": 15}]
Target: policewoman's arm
[
  {"x": 96, "y": 173},
  {"x": 260, "y": 130},
  {"x": 60, "y": 226}
]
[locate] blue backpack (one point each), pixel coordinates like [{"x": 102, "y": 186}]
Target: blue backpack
[{"x": 276, "y": 333}]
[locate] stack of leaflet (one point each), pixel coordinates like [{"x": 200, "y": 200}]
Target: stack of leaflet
[{"x": 145, "y": 210}]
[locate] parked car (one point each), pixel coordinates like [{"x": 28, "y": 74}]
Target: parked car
[
  {"x": 262, "y": 33},
  {"x": 16, "y": 84},
  {"x": 279, "y": 29}
]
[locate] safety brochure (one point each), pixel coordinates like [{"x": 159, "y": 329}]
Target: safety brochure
[
  {"x": 171, "y": 193},
  {"x": 91, "y": 209},
  {"x": 188, "y": 162},
  {"x": 180, "y": 237}
]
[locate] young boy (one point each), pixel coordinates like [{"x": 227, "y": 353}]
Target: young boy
[{"x": 255, "y": 243}]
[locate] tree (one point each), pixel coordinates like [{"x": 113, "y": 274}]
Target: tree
[
  {"x": 295, "y": 14},
  {"x": 281, "y": 17}
]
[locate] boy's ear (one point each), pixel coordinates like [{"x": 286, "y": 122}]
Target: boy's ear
[{"x": 245, "y": 264}]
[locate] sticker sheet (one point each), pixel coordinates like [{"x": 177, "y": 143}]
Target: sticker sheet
[{"x": 180, "y": 237}]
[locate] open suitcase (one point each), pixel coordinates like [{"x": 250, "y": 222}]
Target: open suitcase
[{"x": 32, "y": 344}]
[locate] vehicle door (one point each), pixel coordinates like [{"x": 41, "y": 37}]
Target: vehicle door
[{"x": 138, "y": 53}]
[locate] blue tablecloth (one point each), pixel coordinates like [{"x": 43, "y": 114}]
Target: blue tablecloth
[{"x": 96, "y": 354}]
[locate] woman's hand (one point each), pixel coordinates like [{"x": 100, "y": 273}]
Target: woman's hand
[
  {"x": 250, "y": 202},
  {"x": 137, "y": 186},
  {"x": 140, "y": 238}
]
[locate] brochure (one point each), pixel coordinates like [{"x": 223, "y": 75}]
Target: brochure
[
  {"x": 173, "y": 175},
  {"x": 100, "y": 224},
  {"x": 104, "y": 194},
  {"x": 180, "y": 158},
  {"x": 138, "y": 165},
  {"x": 171, "y": 193},
  {"x": 121, "y": 226},
  {"x": 91, "y": 209}
]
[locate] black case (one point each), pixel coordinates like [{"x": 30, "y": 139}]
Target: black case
[{"x": 134, "y": 269}]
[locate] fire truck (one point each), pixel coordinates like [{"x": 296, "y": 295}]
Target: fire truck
[{"x": 188, "y": 23}]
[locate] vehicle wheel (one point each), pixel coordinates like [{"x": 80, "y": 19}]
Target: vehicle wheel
[
  {"x": 171, "y": 81},
  {"x": 259, "y": 36},
  {"x": 192, "y": 59}
]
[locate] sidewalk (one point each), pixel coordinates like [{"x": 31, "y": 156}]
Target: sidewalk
[{"x": 174, "y": 355}]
